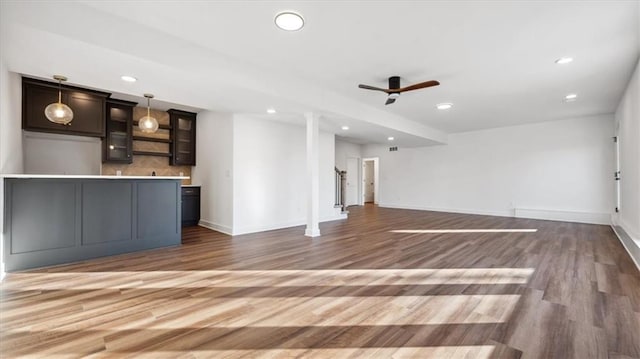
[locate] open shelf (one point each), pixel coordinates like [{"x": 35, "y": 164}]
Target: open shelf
[
  {"x": 151, "y": 139},
  {"x": 164, "y": 127},
  {"x": 148, "y": 153}
]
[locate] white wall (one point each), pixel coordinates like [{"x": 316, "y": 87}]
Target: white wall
[
  {"x": 47, "y": 153},
  {"x": 270, "y": 175},
  {"x": 628, "y": 122},
  {"x": 214, "y": 170},
  {"x": 555, "y": 170},
  {"x": 327, "y": 176},
  {"x": 345, "y": 150},
  {"x": 10, "y": 122},
  {"x": 10, "y": 137}
]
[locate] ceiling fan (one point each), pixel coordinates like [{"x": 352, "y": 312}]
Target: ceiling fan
[{"x": 395, "y": 90}]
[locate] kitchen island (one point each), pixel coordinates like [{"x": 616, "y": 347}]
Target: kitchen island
[{"x": 53, "y": 219}]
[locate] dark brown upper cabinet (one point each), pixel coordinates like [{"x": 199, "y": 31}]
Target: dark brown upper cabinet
[
  {"x": 89, "y": 108},
  {"x": 117, "y": 145},
  {"x": 183, "y": 138}
]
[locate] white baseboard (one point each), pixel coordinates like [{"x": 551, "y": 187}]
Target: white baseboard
[
  {"x": 616, "y": 220},
  {"x": 254, "y": 229},
  {"x": 448, "y": 210},
  {"x": 336, "y": 217},
  {"x": 246, "y": 230},
  {"x": 312, "y": 232},
  {"x": 564, "y": 216},
  {"x": 632, "y": 245},
  {"x": 552, "y": 215},
  {"x": 216, "y": 227}
]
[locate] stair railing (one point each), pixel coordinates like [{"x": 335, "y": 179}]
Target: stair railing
[{"x": 340, "y": 188}]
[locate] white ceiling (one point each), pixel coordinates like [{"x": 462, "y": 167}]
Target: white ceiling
[{"x": 495, "y": 59}]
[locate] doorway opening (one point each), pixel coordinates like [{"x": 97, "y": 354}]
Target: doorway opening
[{"x": 370, "y": 192}]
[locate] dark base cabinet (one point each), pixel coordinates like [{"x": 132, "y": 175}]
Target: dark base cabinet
[
  {"x": 62, "y": 220},
  {"x": 190, "y": 206}
]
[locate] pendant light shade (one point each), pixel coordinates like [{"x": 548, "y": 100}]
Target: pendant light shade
[
  {"x": 58, "y": 112},
  {"x": 148, "y": 124}
]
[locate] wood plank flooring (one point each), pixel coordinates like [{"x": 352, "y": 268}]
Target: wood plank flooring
[{"x": 377, "y": 285}]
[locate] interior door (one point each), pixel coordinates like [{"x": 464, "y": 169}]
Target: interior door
[
  {"x": 369, "y": 181},
  {"x": 353, "y": 172}
]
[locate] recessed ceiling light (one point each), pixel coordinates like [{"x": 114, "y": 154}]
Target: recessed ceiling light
[
  {"x": 571, "y": 97},
  {"x": 128, "y": 78},
  {"x": 444, "y": 106},
  {"x": 271, "y": 111},
  {"x": 289, "y": 21},
  {"x": 390, "y": 138},
  {"x": 345, "y": 128},
  {"x": 564, "y": 60}
]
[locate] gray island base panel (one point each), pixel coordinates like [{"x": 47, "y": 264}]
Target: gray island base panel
[{"x": 60, "y": 220}]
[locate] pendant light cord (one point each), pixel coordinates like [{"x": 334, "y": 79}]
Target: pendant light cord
[{"x": 59, "y": 91}]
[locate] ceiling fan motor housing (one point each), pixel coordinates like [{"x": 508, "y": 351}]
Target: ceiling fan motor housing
[{"x": 394, "y": 82}]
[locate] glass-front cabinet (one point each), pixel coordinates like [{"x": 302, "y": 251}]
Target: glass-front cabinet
[
  {"x": 118, "y": 142},
  {"x": 183, "y": 141}
]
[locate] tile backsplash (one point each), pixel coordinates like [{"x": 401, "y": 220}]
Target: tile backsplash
[{"x": 145, "y": 165}]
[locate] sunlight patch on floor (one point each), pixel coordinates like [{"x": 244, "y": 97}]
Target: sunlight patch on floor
[
  {"x": 464, "y": 231},
  {"x": 449, "y": 352},
  {"x": 274, "y": 278},
  {"x": 202, "y": 305},
  {"x": 293, "y": 312}
]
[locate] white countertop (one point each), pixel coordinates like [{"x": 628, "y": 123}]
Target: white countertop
[{"x": 92, "y": 177}]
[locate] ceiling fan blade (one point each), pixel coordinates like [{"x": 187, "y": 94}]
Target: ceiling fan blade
[
  {"x": 367, "y": 87},
  {"x": 419, "y": 86},
  {"x": 390, "y": 101}
]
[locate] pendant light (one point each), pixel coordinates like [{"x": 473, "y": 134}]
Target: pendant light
[
  {"x": 58, "y": 112},
  {"x": 148, "y": 124}
]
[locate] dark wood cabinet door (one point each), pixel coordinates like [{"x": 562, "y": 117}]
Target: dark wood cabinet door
[
  {"x": 190, "y": 206},
  {"x": 117, "y": 145},
  {"x": 183, "y": 133},
  {"x": 88, "y": 113},
  {"x": 35, "y": 100},
  {"x": 88, "y": 108}
]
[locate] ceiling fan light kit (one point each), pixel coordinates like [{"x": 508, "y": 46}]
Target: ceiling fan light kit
[{"x": 394, "y": 90}]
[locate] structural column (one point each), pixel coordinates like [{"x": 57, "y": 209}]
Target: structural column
[{"x": 313, "y": 175}]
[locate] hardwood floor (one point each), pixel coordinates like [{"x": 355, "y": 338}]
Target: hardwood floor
[{"x": 376, "y": 285}]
